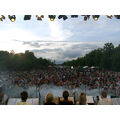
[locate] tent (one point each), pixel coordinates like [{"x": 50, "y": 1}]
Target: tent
[
  {"x": 92, "y": 67},
  {"x": 81, "y": 69},
  {"x": 85, "y": 67}
]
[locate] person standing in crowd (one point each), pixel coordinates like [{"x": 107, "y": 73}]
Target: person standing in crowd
[
  {"x": 66, "y": 101},
  {"x": 82, "y": 99},
  {"x": 49, "y": 99},
  {"x": 24, "y": 96},
  {"x": 104, "y": 100}
]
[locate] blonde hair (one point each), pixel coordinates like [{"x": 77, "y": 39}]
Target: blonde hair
[
  {"x": 49, "y": 97},
  {"x": 82, "y": 99}
]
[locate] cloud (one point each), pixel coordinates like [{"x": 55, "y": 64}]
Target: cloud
[
  {"x": 47, "y": 50},
  {"x": 47, "y": 53},
  {"x": 58, "y": 32},
  {"x": 69, "y": 52},
  {"x": 78, "y": 50},
  {"x": 32, "y": 44}
]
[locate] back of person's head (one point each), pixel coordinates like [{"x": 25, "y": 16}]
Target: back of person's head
[
  {"x": 24, "y": 96},
  {"x": 103, "y": 94},
  {"x": 65, "y": 95},
  {"x": 49, "y": 97},
  {"x": 82, "y": 99}
]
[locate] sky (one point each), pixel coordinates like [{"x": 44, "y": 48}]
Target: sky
[{"x": 58, "y": 40}]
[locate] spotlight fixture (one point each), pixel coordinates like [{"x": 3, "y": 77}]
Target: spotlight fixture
[
  {"x": 117, "y": 16},
  {"x": 39, "y": 17},
  {"x": 52, "y": 17},
  {"x": 62, "y": 16},
  {"x": 12, "y": 17},
  {"x": 86, "y": 17},
  {"x": 27, "y": 17},
  {"x": 2, "y": 17},
  {"x": 74, "y": 16},
  {"x": 109, "y": 16},
  {"x": 95, "y": 17}
]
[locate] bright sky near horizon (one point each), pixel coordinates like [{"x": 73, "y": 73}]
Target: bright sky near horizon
[{"x": 58, "y": 40}]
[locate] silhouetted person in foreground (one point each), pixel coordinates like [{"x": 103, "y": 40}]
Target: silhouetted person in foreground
[
  {"x": 49, "y": 99},
  {"x": 82, "y": 99},
  {"x": 24, "y": 96},
  {"x": 66, "y": 101},
  {"x": 104, "y": 100}
]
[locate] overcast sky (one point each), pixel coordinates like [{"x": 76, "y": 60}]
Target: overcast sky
[{"x": 58, "y": 40}]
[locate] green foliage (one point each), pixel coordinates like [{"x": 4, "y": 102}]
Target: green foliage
[
  {"x": 21, "y": 61},
  {"x": 107, "y": 57}
]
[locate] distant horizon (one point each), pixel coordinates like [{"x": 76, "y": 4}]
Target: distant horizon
[{"x": 55, "y": 60}]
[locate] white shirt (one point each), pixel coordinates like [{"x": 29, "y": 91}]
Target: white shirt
[{"x": 105, "y": 101}]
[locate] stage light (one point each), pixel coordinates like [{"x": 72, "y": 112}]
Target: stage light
[
  {"x": 62, "y": 16},
  {"x": 12, "y": 17},
  {"x": 52, "y": 17},
  {"x": 39, "y": 17},
  {"x": 109, "y": 16},
  {"x": 117, "y": 16},
  {"x": 27, "y": 17},
  {"x": 95, "y": 17},
  {"x": 74, "y": 16},
  {"x": 2, "y": 17},
  {"x": 86, "y": 17}
]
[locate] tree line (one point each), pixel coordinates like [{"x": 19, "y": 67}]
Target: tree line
[
  {"x": 107, "y": 58},
  {"x": 22, "y": 61}
]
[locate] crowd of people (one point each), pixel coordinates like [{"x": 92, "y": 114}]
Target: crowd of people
[
  {"x": 67, "y": 77},
  {"x": 70, "y": 78}
]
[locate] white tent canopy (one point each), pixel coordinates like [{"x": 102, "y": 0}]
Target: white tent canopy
[
  {"x": 92, "y": 67},
  {"x": 85, "y": 67}
]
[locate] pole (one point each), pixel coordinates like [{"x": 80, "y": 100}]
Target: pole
[
  {"x": 39, "y": 96},
  {"x": 36, "y": 91},
  {"x": 85, "y": 88},
  {"x": 99, "y": 87}
]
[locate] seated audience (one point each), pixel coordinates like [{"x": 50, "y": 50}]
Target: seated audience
[
  {"x": 66, "y": 101},
  {"x": 104, "y": 100},
  {"x": 82, "y": 99},
  {"x": 49, "y": 99},
  {"x": 24, "y": 96}
]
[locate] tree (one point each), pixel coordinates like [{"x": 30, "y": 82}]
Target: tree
[
  {"x": 106, "y": 61},
  {"x": 107, "y": 57},
  {"x": 22, "y": 61}
]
